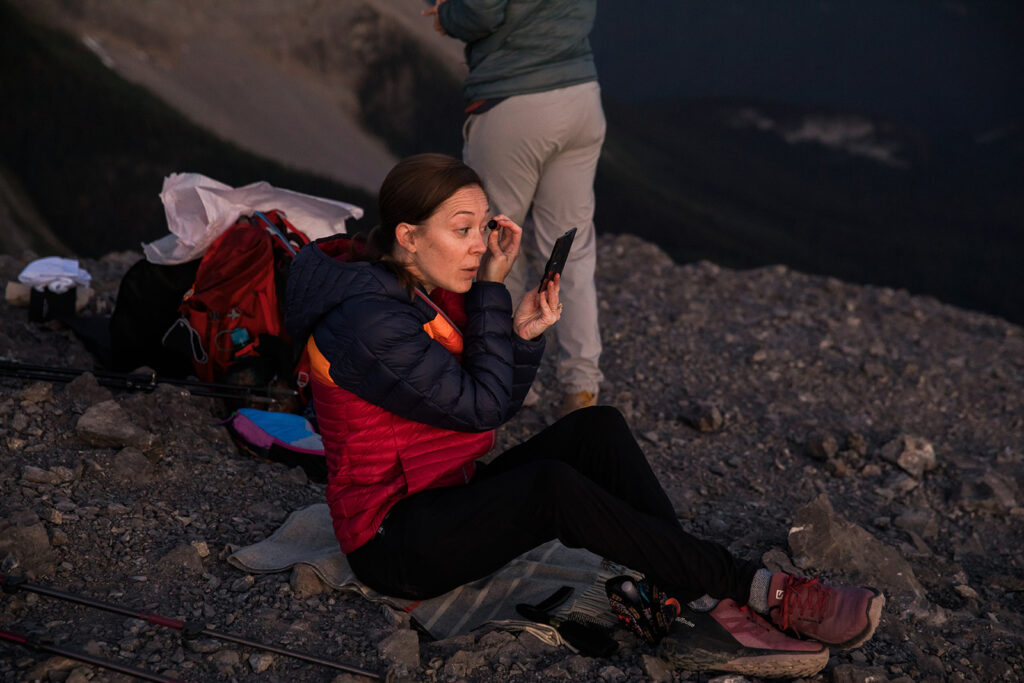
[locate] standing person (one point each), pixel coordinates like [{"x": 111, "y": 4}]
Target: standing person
[
  {"x": 417, "y": 356},
  {"x": 534, "y": 132}
]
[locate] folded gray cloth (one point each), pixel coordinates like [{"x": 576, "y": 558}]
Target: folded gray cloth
[{"x": 307, "y": 537}]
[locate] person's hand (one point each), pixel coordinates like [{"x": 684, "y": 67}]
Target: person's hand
[
  {"x": 432, "y": 12},
  {"x": 538, "y": 311},
  {"x": 502, "y": 249}
]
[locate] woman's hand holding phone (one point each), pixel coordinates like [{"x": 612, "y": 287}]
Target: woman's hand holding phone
[{"x": 538, "y": 310}]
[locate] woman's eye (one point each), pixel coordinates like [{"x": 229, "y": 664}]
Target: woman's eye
[{"x": 463, "y": 231}]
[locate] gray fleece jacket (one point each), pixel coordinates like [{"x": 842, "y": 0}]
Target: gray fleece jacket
[{"x": 515, "y": 47}]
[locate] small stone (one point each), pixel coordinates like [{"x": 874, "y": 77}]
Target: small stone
[
  {"x": 305, "y": 582},
  {"x": 704, "y": 417},
  {"x": 533, "y": 645},
  {"x": 182, "y": 557},
  {"x": 295, "y": 476},
  {"x": 37, "y": 475},
  {"x": 52, "y": 516},
  {"x": 396, "y": 617},
  {"x": 851, "y": 673},
  {"x": 966, "y": 591},
  {"x": 822, "y": 446},
  {"x": 243, "y": 584},
  {"x": 202, "y": 548},
  {"x": 84, "y": 390},
  {"x": 611, "y": 674},
  {"x": 131, "y": 468},
  {"x": 463, "y": 663},
  {"x": 79, "y": 675},
  {"x": 54, "y": 665},
  {"x": 226, "y": 661},
  {"x": 656, "y": 669},
  {"x": 260, "y": 662},
  {"x": 402, "y": 648},
  {"x": 37, "y": 392},
  {"x": 911, "y": 453},
  {"x": 203, "y": 645},
  {"x": 107, "y": 425}
]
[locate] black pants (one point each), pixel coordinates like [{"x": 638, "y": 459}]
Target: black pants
[{"x": 583, "y": 480}]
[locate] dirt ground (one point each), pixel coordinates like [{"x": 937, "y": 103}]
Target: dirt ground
[{"x": 752, "y": 392}]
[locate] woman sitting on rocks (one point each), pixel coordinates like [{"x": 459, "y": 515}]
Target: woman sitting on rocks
[{"x": 418, "y": 356}]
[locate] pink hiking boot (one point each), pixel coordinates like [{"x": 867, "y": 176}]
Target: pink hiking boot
[
  {"x": 843, "y": 617},
  {"x": 738, "y": 640}
]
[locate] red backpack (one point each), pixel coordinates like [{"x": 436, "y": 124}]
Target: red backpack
[{"x": 233, "y": 312}]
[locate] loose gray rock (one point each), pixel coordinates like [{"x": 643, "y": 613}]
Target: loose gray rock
[
  {"x": 611, "y": 674},
  {"x": 260, "y": 662},
  {"x": 23, "y": 537},
  {"x": 656, "y": 669},
  {"x": 912, "y": 453},
  {"x": 402, "y": 648},
  {"x": 84, "y": 391},
  {"x": 305, "y": 582},
  {"x": 182, "y": 558},
  {"x": 52, "y": 665},
  {"x": 37, "y": 392},
  {"x": 984, "y": 491},
  {"x": 106, "y": 425},
  {"x": 850, "y": 673},
  {"x": 464, "y": 663},
  {"x": 131, "y": 467},
  {"x": 822, "y": 445},
  {"x": 704, "y": 417}
]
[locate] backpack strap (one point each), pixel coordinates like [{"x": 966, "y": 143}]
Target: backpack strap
[{"x": 276, "y": 232}]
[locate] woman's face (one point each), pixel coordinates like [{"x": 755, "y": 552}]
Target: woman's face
[{"x": 445, "y": 250}]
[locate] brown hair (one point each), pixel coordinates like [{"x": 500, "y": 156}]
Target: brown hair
[{"x": 411, "y": 193}]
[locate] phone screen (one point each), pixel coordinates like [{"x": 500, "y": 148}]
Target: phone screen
[{"x": 559, "y": 254}]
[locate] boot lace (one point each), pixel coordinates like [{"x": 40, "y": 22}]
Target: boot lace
[{"x": 805, "y": 600}]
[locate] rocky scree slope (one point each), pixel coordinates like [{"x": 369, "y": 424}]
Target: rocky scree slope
[{"x": 857, "y": 433}]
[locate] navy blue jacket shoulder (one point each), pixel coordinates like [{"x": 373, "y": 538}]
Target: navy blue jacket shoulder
[{"x": 372, "y": 333}]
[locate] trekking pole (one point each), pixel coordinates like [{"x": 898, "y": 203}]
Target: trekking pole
[
  {"x": 145, "y": 382},
  {"x": 189, "y": 630},
  {"x": 34, "y": 644}
]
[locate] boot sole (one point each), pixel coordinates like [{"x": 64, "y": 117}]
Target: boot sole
[
  {"x": 758, "y": 666},
  {"x": 690, "y": 654}
]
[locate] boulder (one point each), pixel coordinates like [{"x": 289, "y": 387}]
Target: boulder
[{"x": 821, "y": 539}]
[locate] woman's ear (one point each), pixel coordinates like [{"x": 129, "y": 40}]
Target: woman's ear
[{"x": 405, "y": 236}]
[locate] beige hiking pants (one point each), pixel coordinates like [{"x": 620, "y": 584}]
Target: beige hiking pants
[{"x": 537, "y": 155}]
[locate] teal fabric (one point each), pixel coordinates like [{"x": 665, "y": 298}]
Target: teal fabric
[{"x": 515, "y": 47}]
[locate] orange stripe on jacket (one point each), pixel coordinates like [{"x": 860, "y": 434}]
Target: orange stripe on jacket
[{"x": 444, "y": 333}]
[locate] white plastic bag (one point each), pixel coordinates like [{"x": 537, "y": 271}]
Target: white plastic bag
[{"x": 199, "y": 209}]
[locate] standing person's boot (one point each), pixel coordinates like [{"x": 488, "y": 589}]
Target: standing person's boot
[
  {"x": 736, "y": 639},
  {"x": 843, "y": 617},
  {"x": 576, "y": 400}
]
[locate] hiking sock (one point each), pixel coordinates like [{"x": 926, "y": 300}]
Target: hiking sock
[
  {"x": 759, "y": 591},
  {"x": 705, "y": 603}
]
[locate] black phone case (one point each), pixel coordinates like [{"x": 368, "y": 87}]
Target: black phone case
[{"x": 559, "y": 254}]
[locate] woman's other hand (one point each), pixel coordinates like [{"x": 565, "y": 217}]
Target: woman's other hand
[
  {"x": 538, "y": 311},
  {"x": 502, "y": 249}
]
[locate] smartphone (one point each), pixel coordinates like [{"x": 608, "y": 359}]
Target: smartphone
[{"x": 559, "y": 254}]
